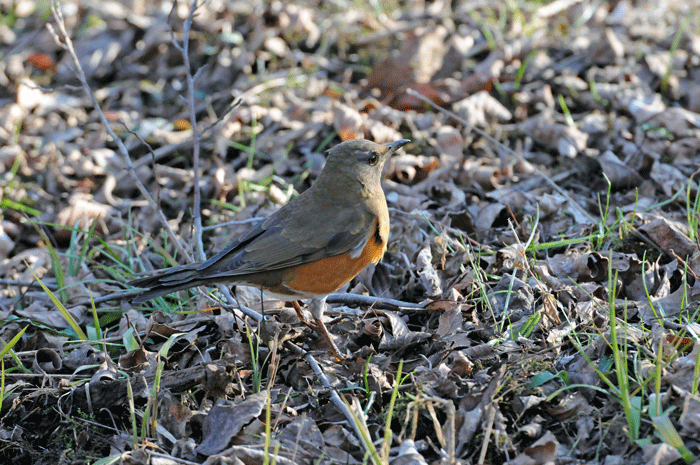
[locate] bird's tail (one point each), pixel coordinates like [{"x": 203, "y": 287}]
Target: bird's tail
[{"x": 173, "y": 279}]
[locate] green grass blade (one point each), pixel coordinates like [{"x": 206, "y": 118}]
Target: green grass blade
[
  {"x": 389, "y": 415},
  {"x": 61, "y": 308},
  {"x": 670, "y": 436},
  {"x": 8, "y": 347},
  {"x": 55, "y": 262}
]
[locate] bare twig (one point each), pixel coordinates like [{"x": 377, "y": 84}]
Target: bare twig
[
  {"x": 196, "y": 148},
  {"x": 226, "y": 292},
  {"x": 335, "y": 397},
  {"x": 254, "y": 219},
  {"x": 116, "y": 296},
  {"x": 15, "y": 282},
  {"x": 271, "y": 84},
  {"x": 196, "y": 137},
  {"x": 380, "y": 302},
  {"x": 236, "y": 102},
  {"x": 170, "y": 458},
  {"x": 67, "y": 44},
  {"x": 488, "y": 404}
]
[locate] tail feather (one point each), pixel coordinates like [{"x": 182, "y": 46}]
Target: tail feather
[{"x": 171, "y": 280}]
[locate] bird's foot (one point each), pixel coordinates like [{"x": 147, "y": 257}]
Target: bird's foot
[{"x": 317, "y": 306}]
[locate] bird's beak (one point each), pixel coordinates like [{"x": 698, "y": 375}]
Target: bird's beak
[{"x": 394, "y": 146}]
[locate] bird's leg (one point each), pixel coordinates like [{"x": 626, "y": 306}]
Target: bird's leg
[
  {"x": 318, "y": 306},
  {"x": 300, "y": 313}
]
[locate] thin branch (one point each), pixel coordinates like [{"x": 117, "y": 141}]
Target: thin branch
[
  {"x": 380, "y": 302},
  {"x": 16, "y": 282},
  {"x": 236, "y": 102},
  {"x": 335, "y": 397},
  {"x": 196, "y": 148},
  {"x": 196, "y": 137},
  {"x": 226, "y": 292},
  {"x": 121, "y": 295},
  {"x": 254, "y": 219}
]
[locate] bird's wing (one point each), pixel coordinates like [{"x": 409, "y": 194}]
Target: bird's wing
[{"x": 288, "y": 239}]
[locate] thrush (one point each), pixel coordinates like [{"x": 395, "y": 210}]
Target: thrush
[{"x": 309, "y": 248}]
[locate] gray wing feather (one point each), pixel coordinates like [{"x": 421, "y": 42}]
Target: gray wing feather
[{"x": 272, "y": 245}]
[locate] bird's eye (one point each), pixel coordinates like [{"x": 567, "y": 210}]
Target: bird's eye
[{"x": 373, "y": 158}]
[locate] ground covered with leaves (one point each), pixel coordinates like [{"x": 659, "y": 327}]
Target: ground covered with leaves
[{"x": 538, "y": 302}]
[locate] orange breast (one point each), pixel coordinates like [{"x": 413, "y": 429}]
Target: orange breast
[{"x": 330, "y": 274}]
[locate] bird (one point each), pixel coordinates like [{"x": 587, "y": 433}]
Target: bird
[{"x": 312, "y": 246}]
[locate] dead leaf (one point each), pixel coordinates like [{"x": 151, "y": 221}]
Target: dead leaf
[
  {"x": 226, "y": 420},
  {"x": 480, "y": 109},
  {"x": 619, "y": 174},
  {"x": 669, "y": 238},
  {"x": 567, "y": 140}
]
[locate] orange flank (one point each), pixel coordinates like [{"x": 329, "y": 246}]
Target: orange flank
[{"x": 330, "y": 274}]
